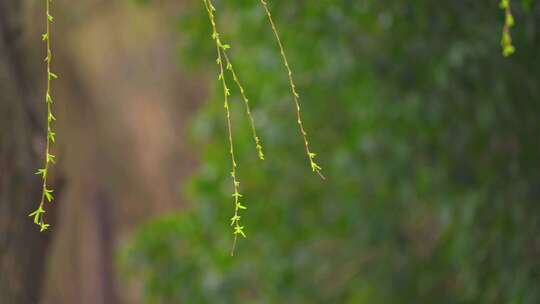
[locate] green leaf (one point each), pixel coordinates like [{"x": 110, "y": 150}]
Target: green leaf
[
  {"x": 48, "y": 98},
  {"x": 235, "y": 219},
  {"x": 509, "y": 50},
  {"x": 315, "y": 167},
  {"x": 240, "y": 206},
  {"x": 239, "y": 230},
  {"x": 51, "y": 158},
  {"x": 48, "y": 194},
  {"x": 237, "y": 195},
  {"x": 51, "y": 135},
  {"x": 509, "y": 20},
  {"x": 43, "y": 227},
  {"x": 45, "y": 36},
  {"x": 36, "y": 214},
  {"x": 42, "y": 172}
]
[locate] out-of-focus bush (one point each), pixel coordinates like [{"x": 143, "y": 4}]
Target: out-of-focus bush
[{"x": 429, "y": 139}]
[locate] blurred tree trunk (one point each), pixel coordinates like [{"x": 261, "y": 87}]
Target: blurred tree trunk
[
  {"x": 22, "y": 248},
  {"x": 97, "y": 261},
  {"x": 90, "y": 211}
]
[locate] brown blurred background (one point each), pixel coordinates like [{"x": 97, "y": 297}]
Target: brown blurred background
[
  {"x": 123, "y": 106},
  {"x": 135, "y": 99}
]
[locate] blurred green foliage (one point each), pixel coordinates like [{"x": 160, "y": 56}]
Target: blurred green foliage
[{"x": 429, "y": 139}]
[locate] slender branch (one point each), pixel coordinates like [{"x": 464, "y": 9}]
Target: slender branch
[
  {"x": 296, "y": 97},
  {"x": 230, "y": 68},
  {"x": 38, "y": 214},
  {"x": 221, "y": 49},
  {"x": 506, "y": 40}
]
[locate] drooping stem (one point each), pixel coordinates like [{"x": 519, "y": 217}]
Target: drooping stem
[
  {"x": 221, "y": 49},
  {"x": 506, "y": 40},
  {"x": 296, "y": 97},
  {"x": 230, "y": 68},
  {"x": 38, "y": 214}
]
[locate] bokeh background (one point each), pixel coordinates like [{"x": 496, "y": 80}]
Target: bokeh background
[{"x": 429, "y": 139}]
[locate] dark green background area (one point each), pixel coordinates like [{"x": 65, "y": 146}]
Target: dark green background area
[{"x": 429, "y": 139}]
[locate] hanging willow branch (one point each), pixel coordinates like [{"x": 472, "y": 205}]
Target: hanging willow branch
[
  {"x": 506, "y": 40},
  {"x": 38, "y": 214},
  {"x": 224, "y": 63},
  {"x": 230, "y": 68},
  {"x": 238, "y": 229},
  {"x": 296, "y": 97}
]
